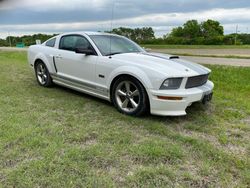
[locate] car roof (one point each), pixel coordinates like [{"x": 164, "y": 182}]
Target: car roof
[{"x": 89, "y": 33}]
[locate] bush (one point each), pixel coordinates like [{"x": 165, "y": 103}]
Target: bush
[{"x": 216, "y": 40}]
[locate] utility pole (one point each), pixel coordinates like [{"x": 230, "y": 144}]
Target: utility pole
[
  {"x": 236, "y": 33},
  {"x": 9, "y": 39}
]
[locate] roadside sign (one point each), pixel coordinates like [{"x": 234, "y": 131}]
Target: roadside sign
[{"x": 20, "y": 45}]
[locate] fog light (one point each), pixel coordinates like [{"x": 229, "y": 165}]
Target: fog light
[{"x": 170, "y": 98}]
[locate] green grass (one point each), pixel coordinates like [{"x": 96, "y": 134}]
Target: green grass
[
  {"x": 196, "y": 46},
  {"x": 61, "y": 138}
]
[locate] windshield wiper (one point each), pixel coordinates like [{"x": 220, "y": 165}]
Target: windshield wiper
[{"x": 114, "y": 53}]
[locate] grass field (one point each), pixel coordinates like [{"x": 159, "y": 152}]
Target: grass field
[{"x": 60, "y": 138}]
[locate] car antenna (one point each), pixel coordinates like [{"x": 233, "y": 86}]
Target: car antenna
[{"x": 111, "y": 27}]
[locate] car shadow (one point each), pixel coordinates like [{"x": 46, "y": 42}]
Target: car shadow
[
  {"x": 80, "y": 94},
  {"x": 195, "y": 112}
]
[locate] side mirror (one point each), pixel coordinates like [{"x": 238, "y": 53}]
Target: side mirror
[{"x": 84, "y": 51}]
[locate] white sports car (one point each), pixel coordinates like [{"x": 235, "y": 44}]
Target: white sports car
[{"x": 116, "y": 69}]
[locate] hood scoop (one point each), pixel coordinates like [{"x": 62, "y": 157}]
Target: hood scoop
[
  {"x": 174, "y": 57},
  {"x": 167, "y": 57}
]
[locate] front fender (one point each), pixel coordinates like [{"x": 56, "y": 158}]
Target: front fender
[{"x": 133, "y": 71}]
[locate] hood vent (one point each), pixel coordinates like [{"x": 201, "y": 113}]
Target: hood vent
[
  {"x": 162, "y": 56},
  {"x": 174, "y": 57}
]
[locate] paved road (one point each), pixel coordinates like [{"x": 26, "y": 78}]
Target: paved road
[
  {"x": 201, "y": 60},
  {"x": 12, "y": 49},
  {"x": 219, "y": 61},
  {"x": 207, "y": 52}
]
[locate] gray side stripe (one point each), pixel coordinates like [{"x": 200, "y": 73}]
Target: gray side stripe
[
  {"x": 91, "y": 86},
  {"x": 193, "y": 66}
]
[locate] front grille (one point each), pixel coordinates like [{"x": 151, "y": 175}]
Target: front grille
[{"x": 196, "y": 81}]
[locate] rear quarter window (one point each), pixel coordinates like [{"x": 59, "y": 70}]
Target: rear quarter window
[{"x": 51, "y": 42}]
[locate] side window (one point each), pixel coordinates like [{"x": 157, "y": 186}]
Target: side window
[
  {"x": 72, "y": 42},
  {"x": 51, "y": 42}
]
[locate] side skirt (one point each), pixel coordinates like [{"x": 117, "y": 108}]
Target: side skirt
[{"x": 81, "y": 87}]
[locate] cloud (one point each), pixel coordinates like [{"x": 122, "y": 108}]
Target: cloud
[
  {"x": 47, "y": 5},
  {"x": 227, "y": 16},
  {"x": 70, "y": 15}
]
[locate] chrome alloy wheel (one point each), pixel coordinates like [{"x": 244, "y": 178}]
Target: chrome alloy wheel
[
  {"x": 127, "y": 96},
  {"x": 42, "y": 74}
]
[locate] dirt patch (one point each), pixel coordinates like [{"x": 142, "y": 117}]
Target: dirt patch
[
  {"x": 229, "y": 148},
  {"x": 246, "y": 120}
]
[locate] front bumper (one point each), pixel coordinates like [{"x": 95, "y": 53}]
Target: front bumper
[{"x": 164, "y": 107}]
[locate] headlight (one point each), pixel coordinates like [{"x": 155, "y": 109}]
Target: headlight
[{"x": 171, "y": 83}]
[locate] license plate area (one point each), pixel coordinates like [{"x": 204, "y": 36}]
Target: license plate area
[{"x": 207, "y": 98}]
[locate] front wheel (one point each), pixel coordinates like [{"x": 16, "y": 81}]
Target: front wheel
[
  {"x": 42, "y": 75},
  {"x": 129, "y": 96}
]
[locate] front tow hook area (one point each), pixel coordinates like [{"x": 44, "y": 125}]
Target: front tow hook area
[{"x": 207, "y": 98}]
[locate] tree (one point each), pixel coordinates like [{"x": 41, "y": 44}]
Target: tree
[
  {"x": 139, "y": 35},
  {"x": 193, "y": 32},
  {"x": 177, "y": 32},
  {"x": 3, "y": 42},
  {"x": 211, "y": 28},
  {"x": 126, "y": 32},
  {"x": 26, "y": 39},
  {"x": 192, "y": 29}
]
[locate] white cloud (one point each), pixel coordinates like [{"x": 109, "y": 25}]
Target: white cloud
[
  {"x": 45, "y": 5},
  {"x": 162, "y": 23},
  {"x": 224, "y": 15}
]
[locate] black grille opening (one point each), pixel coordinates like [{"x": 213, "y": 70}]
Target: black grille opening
[{"x": 196, "y": 81}]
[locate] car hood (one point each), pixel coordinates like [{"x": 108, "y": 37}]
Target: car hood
[{"x": 172, "y": 66}]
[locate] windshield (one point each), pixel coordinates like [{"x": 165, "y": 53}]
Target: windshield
[{"x": 111, "y": 45}]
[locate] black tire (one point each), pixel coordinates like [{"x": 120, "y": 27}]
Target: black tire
[
  {"x": 43, "y": 76},
  {"x": 142, "y": 102}
]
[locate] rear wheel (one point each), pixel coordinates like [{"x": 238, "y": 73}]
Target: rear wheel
[
  {"x": 129, "y": 96},
  {"x": 42, "y": 74}
]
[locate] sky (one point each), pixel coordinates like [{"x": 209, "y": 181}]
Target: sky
[{"x": 20, "y": 17}]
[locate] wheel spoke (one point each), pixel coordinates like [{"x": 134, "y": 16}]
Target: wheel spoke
[
  {"x": 41, "y": 68},
  {"x": 39, "y": 73},
  {"x": 127, "y": 96},
  {"x": 43, "y": 79},
  {"x": 127, "y": 85},
  {"x": 134, "y": 104},
  {"x": 135, "y": 93},
  {"x": 125, "y": 103},
  {"x": 121, "y": 93}
]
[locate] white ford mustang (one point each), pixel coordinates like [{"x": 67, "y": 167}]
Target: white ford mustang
[{"x": 116, "y": 69}]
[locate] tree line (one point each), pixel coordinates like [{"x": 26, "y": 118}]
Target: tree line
[
  {"x": 26, "y": 39},
  {"x": 192, "y": 32}
]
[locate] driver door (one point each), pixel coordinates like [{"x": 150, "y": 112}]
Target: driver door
[{"x": 74, "y": 67}]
